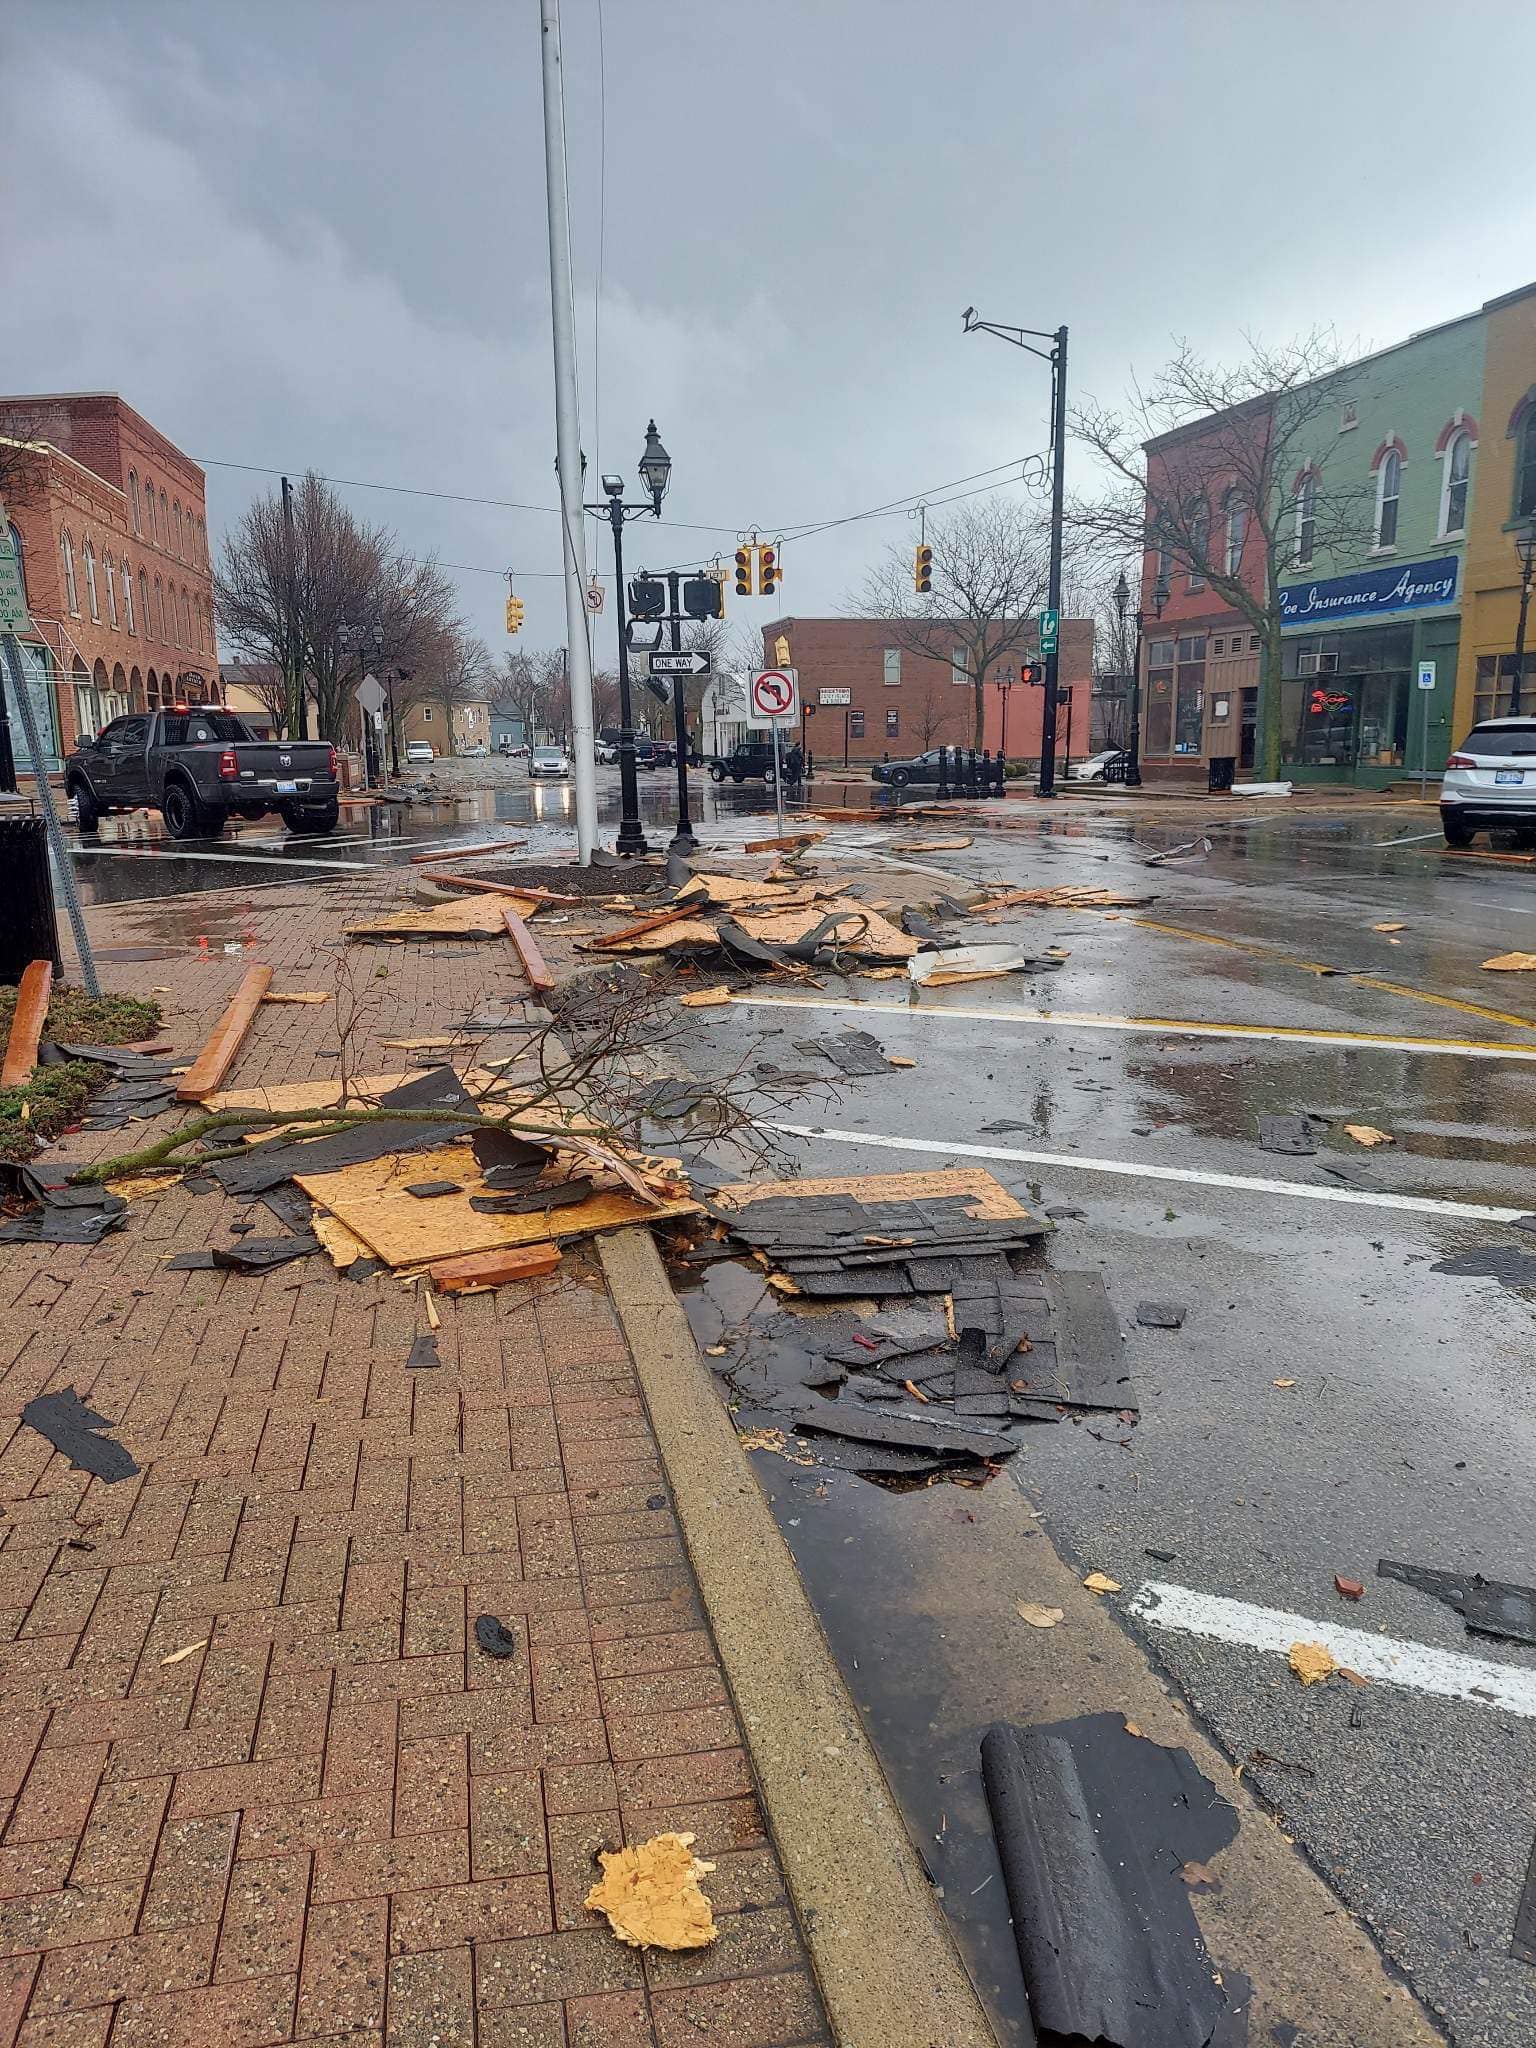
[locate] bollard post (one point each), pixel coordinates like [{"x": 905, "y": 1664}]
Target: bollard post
[{"x": 943, "y": 774}]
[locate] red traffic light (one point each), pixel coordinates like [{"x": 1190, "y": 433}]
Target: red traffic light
[
  {"x": 1030, "y": 671},
  {"x": 767, "y": 570}
]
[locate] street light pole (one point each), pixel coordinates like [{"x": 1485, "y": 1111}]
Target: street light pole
[
  {"x": 1525, "y": 548},
  {"x": 655, "y": 474},
  {"x": 1056, "y": 356},
  {"x": 1122, "y": 601}
]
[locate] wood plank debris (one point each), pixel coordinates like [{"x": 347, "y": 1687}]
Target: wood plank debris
[
  {"x": 539, "y": 977},
  {"x": 473, "y": 917},
  {"x": 673, "y": 914},
  {"x": 466, "y": 852},
  {"x": 494, "y": 1269},
  {"x": 522, "y": 899},
  {"x": 792, "y": 842},
  {"x": 222, "y": 1048},
  {"x": 297, "y": 995},
  {"x": 27, "y": 1019}
]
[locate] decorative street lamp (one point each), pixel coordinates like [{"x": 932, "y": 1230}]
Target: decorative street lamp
[
  {"x": 369, "y": 644},
  {"x": 655, "y": 473},
  {"x": 1122, "y": 601},
  {"x": 1004, "y": 681},
  {"x": 1525, "y": 548}
]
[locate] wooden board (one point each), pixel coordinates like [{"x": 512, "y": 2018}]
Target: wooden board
[
  {"x": 326, "y": 1094},
  {"x": 297, "y": 995},
  {"x": 519, "y": 899},
  {"x": 987, "y": 1196},
  {"x": 32, "y": 999},
  {"x": 730, "y": 890},
  {"x": 669, "y": 938},
  {"x": 671, "y": 915},
  {"x": 877, "y": 939},
  {"x": 473, "y": 917},
  {"x": 494, "y": 1269},
  {"x": 370, "y": 1199},
  {"x": 466, "y": 852},
  {"x": 539, "y": 977},
  {"x": 788, "y": 843},
  {"x": 228, "y": 1035}
]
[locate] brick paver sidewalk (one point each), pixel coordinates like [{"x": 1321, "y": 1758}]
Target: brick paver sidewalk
[{"x": 336, "y": 1819}]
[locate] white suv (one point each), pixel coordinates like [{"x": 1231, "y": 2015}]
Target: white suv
[{"x": 1490, "y": 781}]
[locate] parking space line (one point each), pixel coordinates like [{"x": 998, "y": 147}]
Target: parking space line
[
  {"x": 1448, "y": 1674},
  {"x": 1243, "y": 1183},
  {"x": 1073, "y": 1020}
]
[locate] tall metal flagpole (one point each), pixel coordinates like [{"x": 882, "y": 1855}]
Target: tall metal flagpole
[{"x": 568, "y": 436}]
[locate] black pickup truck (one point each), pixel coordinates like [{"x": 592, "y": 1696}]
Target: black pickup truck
[{"x": 199, "y": 767}]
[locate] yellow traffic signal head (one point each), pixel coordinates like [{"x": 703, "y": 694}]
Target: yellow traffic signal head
[
  {"x": 743, "y": 572},
  {"x": 767, "y": 571},
  {"x": 922, "y": 570},
  {"x": 514, "y": 614}
]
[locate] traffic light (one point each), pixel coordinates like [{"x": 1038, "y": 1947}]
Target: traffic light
[
  {"x": 767, "y": 571},
  {"x": 922, "y": 570},
  {"x": 743, "y": 572},
  {"x": 514, "y": 614},
  {"x": 702, "y": 598},
  {"x": 647, "y": 597},
  {"x": 1030, "y": 672}
]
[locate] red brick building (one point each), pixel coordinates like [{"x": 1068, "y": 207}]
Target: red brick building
[
  {"x": 863, "y": 691},
  {"x": 110, "y": 523}
]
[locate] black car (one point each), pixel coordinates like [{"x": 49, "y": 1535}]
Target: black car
[
  {"x": 755, "y": 758},
  {"x": 199, "y": 766},
  {"x": 921, "y": 768}
]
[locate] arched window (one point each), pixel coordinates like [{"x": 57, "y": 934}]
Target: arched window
[
  {"x": 1525, "y": 467},
  {"x": 1389, "y": 490},
  {"x": 165, "y": 521},
  {"x": 19, "y": 547},
  {"x": 146, "y": 616},
  {"x": 1199, "y": 543},
  {"x": 186, "y": 618},
  {"x": 127, "y": 595},
  {"x": 160, "y": 608},
  {"x": 1306, "y": 518},
  {"x": 133, "y": 501},
  {"x": 1457, "y": 479},
  {"x": 67, "y": 555},
  {"x": 149, "y": 506},
  {"x": 90, "y": 579},
  {"x": 1235, "y": 515},
  {"x": 176, "y": 521},
  {"x": 111, "y": 569},
  {"x": 202, "y": 540}
]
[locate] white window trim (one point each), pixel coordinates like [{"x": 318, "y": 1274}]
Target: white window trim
[
  {"x": 1233, "y": 509},
  {"x": 128, "y": 596},
  {"x": 71, "y": 585},
  {"x": 891, "y": 659},
  {"x": 1380, "y": 546},
  {"x": 1298, "y": 559},
  {"x": 111, "y": 590},
  {"x": 92, "y": 594},
  {"x": 426, "y": 714},
  {"x": 1462, "y": 433},
  {"x": 1197, "y": 578}
]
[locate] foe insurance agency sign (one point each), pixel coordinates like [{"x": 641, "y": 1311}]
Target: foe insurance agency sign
[{"x": 1370, "y": 593}]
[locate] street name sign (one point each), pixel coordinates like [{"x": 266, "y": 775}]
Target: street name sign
[{"x": 776, "y": 694}]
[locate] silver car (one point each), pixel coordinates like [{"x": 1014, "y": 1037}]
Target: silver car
[
  {"x": 1490, "y": 781},
  {"x": 549, "y": 761}
]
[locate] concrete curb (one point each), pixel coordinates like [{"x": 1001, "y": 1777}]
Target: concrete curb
[{"x": 882, "y": 1952}]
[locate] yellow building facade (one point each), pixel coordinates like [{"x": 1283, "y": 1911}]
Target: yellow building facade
[{"x": 1503, "y": 506}]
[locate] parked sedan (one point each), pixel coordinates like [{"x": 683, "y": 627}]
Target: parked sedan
[
  {"x": 1097, "y": 766},
  {"x": 1490, "y": 781},
  {"x": 921, "y": 768},
  {"x": 549, "y": 761},
  {"x": 419, "y": 753}
]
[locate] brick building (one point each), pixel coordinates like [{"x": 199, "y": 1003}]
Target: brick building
[
  {"x": 865, "y": 696},
  {"x": 109, "y": 520}
]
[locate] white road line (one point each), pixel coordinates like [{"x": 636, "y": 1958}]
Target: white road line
[
  {"x": 1446, "y": 1673},
  {"x": 1251, "y": 1184},
  {"x": 1413, "y": 839},
  {"x": 1156, "y": 1027}
]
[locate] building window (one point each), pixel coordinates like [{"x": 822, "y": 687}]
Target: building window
[
  {"x": 133, "y": 501},
  {"x": 1218, "y": 647},
  {"x": 19, "y": 549},
  {"x": 127, "y": 595},
  {"x": 1235, "y": 515},
  {"x": 1189, "y": 700},
  {"x": 855, "y": 725},
  {"x": 165, "y": 522},
  {"x": 1160, "y": 654},
  {"x": 160, "y": 608},
  {"x": 959, "y": 669},
  {"x": 1199, "y": 543},
  {"x": 111, "y": 569},
  {"x": 1306, "y": 519},
  {"x": 1389, "y": 490},
  {"x": 91, "y": 596},
  {"x": 176, "y": 522},
  {"x": 1457, "y": 477},
  {"x": 426, "y": 714},
  {"x": 149, "y": 506},
  {"x": 1253, "y": 643},
  {"x": 892, "y": 666},
  {"x": 186, "y": 617},
  {"x": 1525, "y": 468},
  {"x": 67, "y": 554},
  {"x": 892, "y": 723},
  {"x": 146, "y": 616},
  {"x": 1492, "y": 700}
]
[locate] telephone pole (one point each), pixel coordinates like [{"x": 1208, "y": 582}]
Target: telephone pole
[{"x": 568, "y": 436}]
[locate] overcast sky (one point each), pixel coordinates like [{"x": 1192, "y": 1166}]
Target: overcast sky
[{"x": 311, "y": 233}]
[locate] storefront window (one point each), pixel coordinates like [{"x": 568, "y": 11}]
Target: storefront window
[
  {"x": 1345, "y": 698},
  {"x": 1491, "y": 702},
  {"x": 1159, "y": 735},
  {"x": 1189, "y": 701}
]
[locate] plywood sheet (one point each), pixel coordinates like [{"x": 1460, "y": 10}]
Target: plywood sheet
[
  {"x": 875, "y": 937},
  {"x": 371, "y": 1201},
  {"x": 365, "y": 1088},
  {"x": 726, "y": 891},
  {"x": 671, "y": 938},
  {"x": 467, "y": 917},
  {"x": 987, "y": 1197}
]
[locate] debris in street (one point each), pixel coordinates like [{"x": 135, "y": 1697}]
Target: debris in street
[
  {"x": 424, "y": 1353},
  {"x": 1094, "y": 1829},
  {"x": 792, "y": 842},
  {"x": 1523, "y": 1937},
  {"x": 1037, "y": 1616},
  {"x": 494, "y": 1637},
  {"x": 1260, "y": 789},
  {"x": 966, "y": 963},
  {"x": 1311, "y": 1662},
  {"x": 852, "y": 1052},
  {"x": 1293, "y": 1136},
  {"x": 494, "y": 1269},
  {"x": 1100, "y": 1582},
  {"x": 650, "y": 1893},
  {"x": 540, "y": 979},
  {"x": 1282, "y": 1383},
  {"x": 298, "y": 995},
  {"x": 1487, "y": 1606},
  {"x": 675, "y": 913},
  {"x": 1510, "y": 963},
  {"x": 897, "y": 1059},
  {"x": 706, "y": 998},
  {"x": 1367, "y": 1134},
  {"x": 1063, "y": 896},
  {"x": 1348, "y": 1589},
  {"x": 428, "y": 1190},
  {"x": 1161, "y": 1315},
  {"x": 468, "y": 917},
  {"x": 186, "y": 1650},
  {"x": 223, "y": 1045},
  {"x": 1389, "y": 927},
  {"x": 27, "y": 1019},
  {"x": 74, "y": 1429},
  {"x": 1200, "y": 846},
  {"x": 930, "y": 845}
]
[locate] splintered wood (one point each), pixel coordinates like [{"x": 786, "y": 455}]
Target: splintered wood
[
  {"x": 1064, "y": 896},
  {"x": 27, "y": 1024},
  {"x": 228, "y": 1035},
  {"x": 986, "y": 1197},
  {"x": 480, "y": 916}
]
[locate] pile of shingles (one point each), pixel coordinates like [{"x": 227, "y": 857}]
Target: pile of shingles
[
  {"x": 949, "y": 1348},
  {"x": 792, "y": 924}
]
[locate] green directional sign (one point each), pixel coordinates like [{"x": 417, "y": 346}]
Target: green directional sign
[
  {"x": 1050, "y": 623},
  {"x": 13, "y": 598}
]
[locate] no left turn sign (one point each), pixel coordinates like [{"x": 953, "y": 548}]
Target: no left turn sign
[{"x": 776, "y": 694}]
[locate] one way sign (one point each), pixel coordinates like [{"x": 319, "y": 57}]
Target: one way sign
[{"x": 695, "y": 662}]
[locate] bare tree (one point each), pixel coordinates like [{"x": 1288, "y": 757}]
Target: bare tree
[
  {"x": 1224, "y": 499},
  {"x": 22, "y": 446},
  {"x": 989, "y": 581},
  {"x": 933, "y": 711},
  {"x": 452, "y": 668}
]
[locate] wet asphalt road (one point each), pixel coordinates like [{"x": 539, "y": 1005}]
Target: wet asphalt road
[{"x": 1410, "y": 1430}]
